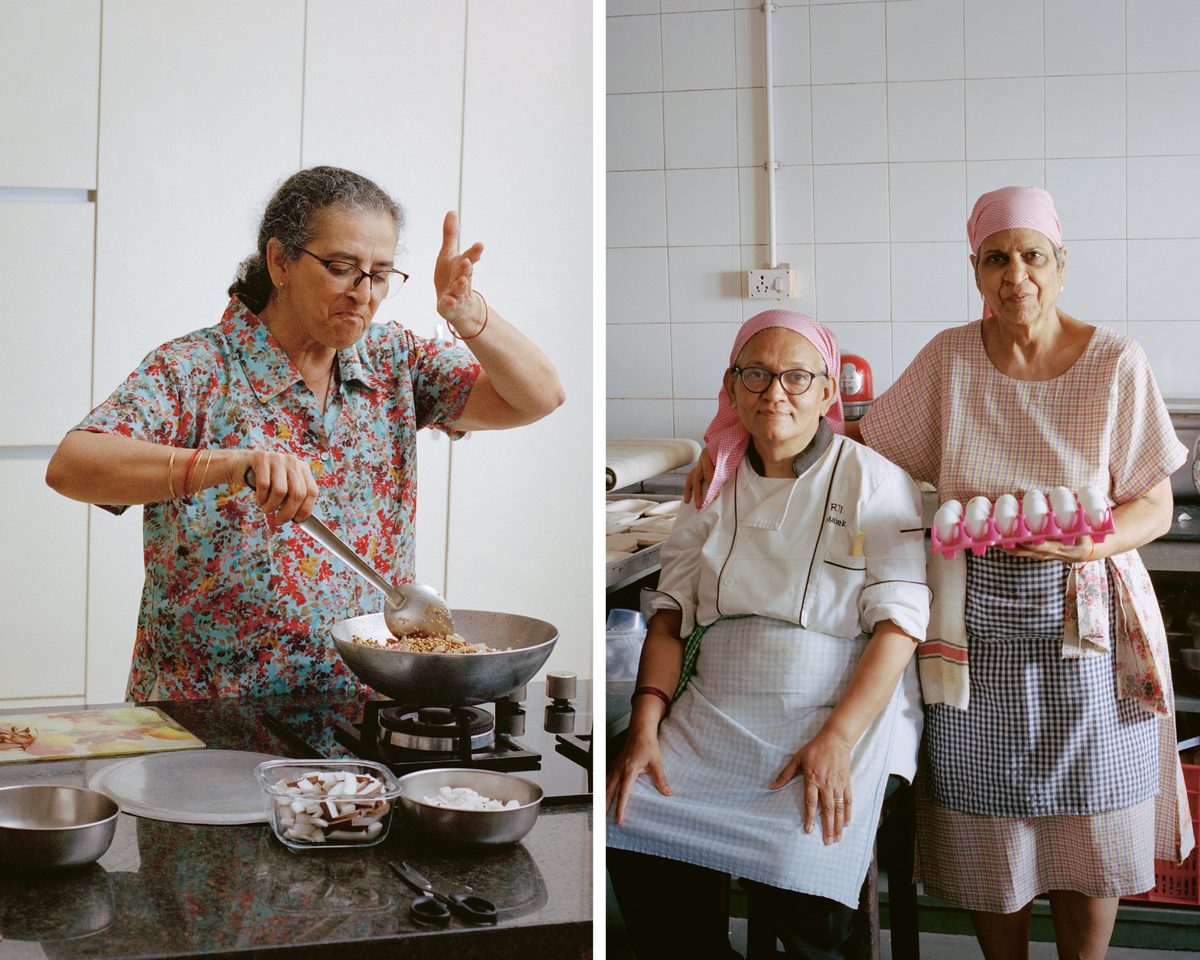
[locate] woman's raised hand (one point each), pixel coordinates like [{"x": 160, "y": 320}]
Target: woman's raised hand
[
  {"x": 639, "y": 755},
  {"x": 824, "y": 763},
  {"x": 698, "y": 478},
  {"x": 452, "y": 282}
]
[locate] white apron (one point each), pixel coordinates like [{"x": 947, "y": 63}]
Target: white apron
[{"x": 762, "y": 688}]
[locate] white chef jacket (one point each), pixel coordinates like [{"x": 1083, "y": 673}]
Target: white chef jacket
[{"x": 784, "y": 549}]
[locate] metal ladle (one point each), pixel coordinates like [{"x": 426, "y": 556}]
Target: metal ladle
[{"x": 409, "y": 607}]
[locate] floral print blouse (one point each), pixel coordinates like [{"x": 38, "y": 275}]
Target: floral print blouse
[{"x": 230, "y": 606}]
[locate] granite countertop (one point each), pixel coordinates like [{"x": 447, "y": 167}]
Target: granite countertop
[{"x": 178, "y": 890}]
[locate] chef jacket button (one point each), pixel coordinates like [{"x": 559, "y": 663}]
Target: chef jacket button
[
  {"x": 744, "y": 535},
  {"x": 730, "y": 581}
]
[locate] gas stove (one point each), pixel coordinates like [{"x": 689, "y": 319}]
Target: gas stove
[{"x": 544, "y": 740}]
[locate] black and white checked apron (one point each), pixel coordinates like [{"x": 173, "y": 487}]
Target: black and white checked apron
[{"x": 1042, "y": 736}]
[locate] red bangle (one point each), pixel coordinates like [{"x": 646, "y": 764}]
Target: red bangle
[
  {"x": 654, "y": 692},
  {"x": 187, "y": 477}
]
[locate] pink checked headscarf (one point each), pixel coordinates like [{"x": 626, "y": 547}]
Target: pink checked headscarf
[
  {"x": 1009, "y": 208},
  {"x": 726, "y": 437}
]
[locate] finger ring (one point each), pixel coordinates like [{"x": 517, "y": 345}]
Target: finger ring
[{"x": 839, "y": 800}]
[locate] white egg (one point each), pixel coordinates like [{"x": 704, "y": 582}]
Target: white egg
[
  {"x": 1035, "y": 508},
  {"x": 1063, "y": 502},
  {"x": 1094, "y": 505},
  {"x": 944, "y": 521},
  {"x": 1006, "y": 513},
  {"x": 976, "y": 516},
  {"x": 954, "y": 509}
]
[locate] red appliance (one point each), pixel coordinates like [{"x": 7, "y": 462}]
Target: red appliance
[
  {"x": 854, "y": 382},
  {"x": 855, "y": 379}
]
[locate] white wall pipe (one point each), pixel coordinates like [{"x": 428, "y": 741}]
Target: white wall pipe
[{"x": 771, "y": 165}]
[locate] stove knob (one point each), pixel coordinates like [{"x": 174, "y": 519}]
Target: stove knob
[
  {"x": 560, "y": 686},
  {"x": 510, "y": 719},
  {"x": 559, "y": 719}
]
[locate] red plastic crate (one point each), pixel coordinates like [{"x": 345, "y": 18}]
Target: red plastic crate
[{"x": 1180, "y": 882}]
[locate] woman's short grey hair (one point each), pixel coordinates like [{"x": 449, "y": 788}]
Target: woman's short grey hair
[{"x": 292, "y": 218}]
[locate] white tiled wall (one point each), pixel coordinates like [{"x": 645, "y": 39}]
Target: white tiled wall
[{"x": 892, "y": 116}]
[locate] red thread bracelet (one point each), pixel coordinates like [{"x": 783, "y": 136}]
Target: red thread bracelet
[
  {"x": 187, "y": 477},
  {"x": 654, "y": 692}
]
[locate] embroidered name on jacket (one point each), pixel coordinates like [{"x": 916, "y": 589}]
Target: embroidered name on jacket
[{"x": 836, "y": 521}]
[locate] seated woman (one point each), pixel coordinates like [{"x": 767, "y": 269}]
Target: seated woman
[{"x": 800, "y": 585}]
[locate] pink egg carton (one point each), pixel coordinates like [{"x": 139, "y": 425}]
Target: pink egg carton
[{"x": 1022, "y": 532}]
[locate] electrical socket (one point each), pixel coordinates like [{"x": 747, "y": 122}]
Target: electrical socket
[{"x": 772, "y": 283}]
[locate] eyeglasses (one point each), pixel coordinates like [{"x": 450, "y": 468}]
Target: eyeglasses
[
  {"x": 758, "y": 379},
  {"x": 384, "y": 283}
]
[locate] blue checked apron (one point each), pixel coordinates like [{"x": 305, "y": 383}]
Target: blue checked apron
[{"x": 760, "y": 690}]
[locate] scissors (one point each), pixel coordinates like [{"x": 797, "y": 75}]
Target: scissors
[{"x": 435, "y": 906}]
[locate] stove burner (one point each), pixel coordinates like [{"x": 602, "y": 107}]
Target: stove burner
[
  {"x": 436, "y": 729},
  {"x": 370, "y": 739},
  {"x": 353, "y": 729}
]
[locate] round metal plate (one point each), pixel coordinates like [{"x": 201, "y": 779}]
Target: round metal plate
[{"x": 189, "y": 786}]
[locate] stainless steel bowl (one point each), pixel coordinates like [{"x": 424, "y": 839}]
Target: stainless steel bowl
[
  {"x": 52, "y": 826},
  {"x": 449, "y": 679},
  {"x": 478, "y": 827}
]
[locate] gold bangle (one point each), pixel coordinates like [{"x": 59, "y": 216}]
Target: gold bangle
[
  {"x": 486, "y": 314},
  {"x": 171, "y": 471},
  {"x": 204, "y": 475},
  {"x": 1092, "y": 551}
]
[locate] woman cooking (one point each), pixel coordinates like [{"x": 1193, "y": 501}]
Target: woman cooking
[
  {"x": 800, "y": 588},
  {"x": 1049, "y": 763},
  {"x": 295, "y": 383}
]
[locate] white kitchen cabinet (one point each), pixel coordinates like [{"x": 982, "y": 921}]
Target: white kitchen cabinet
[
  {"x": 399, "y": 122},
  {"x": 50, "y": 75},
  {"x": 46, "y": 254},
  {"x": 200, "y": 117},
  {"x": 43, "y": 592},
  {"x": 405, "y": 108},
  {"x": 521, "y": 502},
  {"x": 116, "y": 577}
]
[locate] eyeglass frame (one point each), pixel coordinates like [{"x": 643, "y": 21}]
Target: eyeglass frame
[
  {"x": 740, "y": 372},
  {"x": 386, "y": 273}
]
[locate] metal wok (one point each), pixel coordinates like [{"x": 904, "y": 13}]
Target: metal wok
[{"x": 449, "y": 679}]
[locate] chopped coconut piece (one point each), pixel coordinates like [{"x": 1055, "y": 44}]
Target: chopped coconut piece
[
  {"x": 464, "y": 798},
  {"x": 330, "y": 805}
]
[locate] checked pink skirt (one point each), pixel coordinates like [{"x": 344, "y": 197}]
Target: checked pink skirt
[{"x": 999, "y": 864}]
